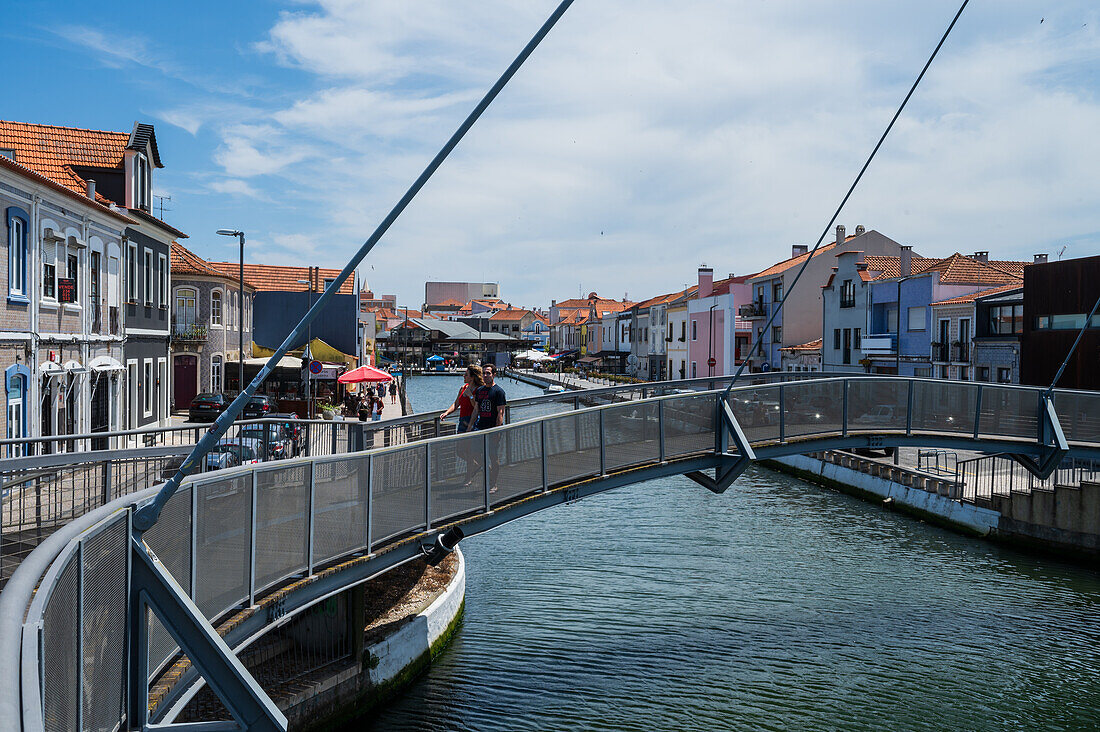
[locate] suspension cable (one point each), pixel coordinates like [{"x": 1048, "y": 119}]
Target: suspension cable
[
  {"x": 147, "y": 515},
  {"x": 810, "y": 255},
  {"x": 1065, "y": 361}
]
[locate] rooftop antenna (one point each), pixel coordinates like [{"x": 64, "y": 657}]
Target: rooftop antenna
[
  {"x": 1061, "y": 252},
  {"x": 160, "y": 204}
]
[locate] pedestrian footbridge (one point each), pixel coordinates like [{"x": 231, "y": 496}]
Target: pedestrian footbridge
[{"x": 93, "y": 617}]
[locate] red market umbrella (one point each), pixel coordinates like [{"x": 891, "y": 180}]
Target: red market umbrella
[{"x": 364, "y": 373}]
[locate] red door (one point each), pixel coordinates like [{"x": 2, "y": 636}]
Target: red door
[{"x": 185, "y": 376}]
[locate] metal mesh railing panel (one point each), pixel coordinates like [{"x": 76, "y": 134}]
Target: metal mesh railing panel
[
  {"x": 398, "y": 492},
  {"x": 339, "y": 507},
  {"x": 282, "y": 523},
  {"x": 944, "y": 406},
  {"x": 518, "y": 466},
  {"x": 1079, "y": 415},
  {"x": 457, "y": 475},
  {"x": 560, "y": 405},
  {"x": 632, "y": 435},
  {"x": 573, "y": 447},
  {"x": 813, "y": 408},
  {"x": 877, "y": 404},
  {"x": 689, "y": 424},
  {"x": 757, "y": 411},
  {"x": 1009, "y": 412},
  {"x": 223, "y": 536},
  {"x": 104, "y": 626},
  {"x": 170, "y": 540},
  {"x": 61, "y": 651}
]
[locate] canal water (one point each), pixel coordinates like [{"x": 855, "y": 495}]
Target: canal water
[{"x": 778, "y": 605}]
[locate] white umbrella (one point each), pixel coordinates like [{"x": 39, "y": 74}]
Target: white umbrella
[{"x": 532, "y": 355}]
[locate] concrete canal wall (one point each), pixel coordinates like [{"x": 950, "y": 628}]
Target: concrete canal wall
[
  {"x": 384, "y": 667},
  {"x": 1064, "y": 521}
]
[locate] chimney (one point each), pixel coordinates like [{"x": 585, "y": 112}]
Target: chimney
[
  {"x": 706, "y": 281},
  {"x": 797, "y": 249},
  {"x": 1040, "y": 259},
  {"x": 91, "y": 189},
  {"x": 553, "y": 303},
  {"x": 839, "y": 234},
  {"x": 981, "y": 256},
  {"x": 860, "y": 231},
  {"x": 906, "y": 261}
]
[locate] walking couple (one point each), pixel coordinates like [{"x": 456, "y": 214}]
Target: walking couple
[{"x": 480, "y": 405}]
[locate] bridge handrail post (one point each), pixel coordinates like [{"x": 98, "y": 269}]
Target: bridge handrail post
[
  {"x": 485, "y": 466},
  {"x": 79, "y": 639},
  {"x": 370, "y": 503},
  {"x": 909, "y": 409},
  {"x": 193, "y": 584},
  {"x": 782, "y": 415},
  {"x": 844, "y": 411},
  {"x": 977, "y": 411},
  {"x": 661, "y": 429},
  {"x": 428, "y": 486},
  {"x": 603, "y": 445},
  {"x": 545, "y": 455},
  {"x": 252, "y": 546},
  {"x": 309, "y": 519}
]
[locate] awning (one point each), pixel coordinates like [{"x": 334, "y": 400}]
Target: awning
[
  {"x": 51, "y": 368},
  {"x": 76, "y": 368},
  {"x": 286, "y": 362},
  {"x": 587, "y": 359},
  {"x": 105, "y": 363}
]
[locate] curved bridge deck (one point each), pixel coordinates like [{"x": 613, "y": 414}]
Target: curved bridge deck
[{"x": 264, "y": 542}]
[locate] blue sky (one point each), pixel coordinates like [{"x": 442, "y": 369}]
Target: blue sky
[{"x": 641, "y": 139}]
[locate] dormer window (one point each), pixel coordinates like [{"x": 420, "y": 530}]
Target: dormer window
[{"x": 141, "y": 182}]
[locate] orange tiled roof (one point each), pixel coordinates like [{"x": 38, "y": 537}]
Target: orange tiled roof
[
  {"x": 959, "y": 269},
  {"x": 279, "y": 278},
  {"x": 781, "y": 267},
  {"x": 811, "y": 346},
  {"x": 186, "y": 262},
  {"x": 53, "y": 151},
  {"x": 510, "y": 314},
  {"x": 965, "y": 299},
  {"x": 446, "y": 304}
]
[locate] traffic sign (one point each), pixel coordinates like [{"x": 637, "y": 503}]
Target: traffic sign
[
  {"x": 712, "y": 362},
  {"x": 316, "y": 367}
]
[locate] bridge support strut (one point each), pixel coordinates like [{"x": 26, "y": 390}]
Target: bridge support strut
[
  {"x": 1052, "y": 437},
  {"x": 732, "y": 465},
  {"x": 152, "y": 587}
]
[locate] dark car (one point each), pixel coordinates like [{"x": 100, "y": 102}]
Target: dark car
[
  {"x": 293, "y": 429},
  {"x": 276, "y": 442},
  {"x": 258, "y": 407},
  {"x": 207, "y": 407}
]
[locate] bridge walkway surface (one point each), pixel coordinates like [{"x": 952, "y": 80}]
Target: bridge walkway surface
[{"x": 249, "y": 547}]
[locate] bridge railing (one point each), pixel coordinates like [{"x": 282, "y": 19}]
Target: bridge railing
[
  {"x": 46, "y": 482},
  {"x": 229, "y": 537}
]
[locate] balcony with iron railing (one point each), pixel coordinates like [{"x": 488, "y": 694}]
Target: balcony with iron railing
[
  {"x": 960, "y": 352},
  {"x": 757, "y": 309},
  {"x": 188, "y": 331},
  {"x": 941, "y": 353}
]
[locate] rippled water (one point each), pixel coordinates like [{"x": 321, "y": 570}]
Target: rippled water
[{"x": 778, "y": 605}]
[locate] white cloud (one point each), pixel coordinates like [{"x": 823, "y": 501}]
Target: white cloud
[
  {"x": 642, "y": 139},
  {"x": 236, "y": 187}
]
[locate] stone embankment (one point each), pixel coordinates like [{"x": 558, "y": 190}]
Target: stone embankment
[{"x": 1064, "y": 520}]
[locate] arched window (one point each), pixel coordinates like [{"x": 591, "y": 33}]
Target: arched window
[
  {"x": 216, "y": 307},
  {"x": 16, "y": 377},
  {"x": 17, "y": 254},
  {"x": 235, "y": 311}
]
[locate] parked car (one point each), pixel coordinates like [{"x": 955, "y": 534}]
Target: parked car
[
  {"x": 233, "y": 451},
  {"x": 293, "y": 430},
  {"x": 258, "y": 407},
  {"x": 278, "y": 444},
  {"x": 207, "y": 406}
]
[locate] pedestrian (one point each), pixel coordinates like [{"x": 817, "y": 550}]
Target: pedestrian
[
  {"x": 377, "y": 405},
  {"x": 464, "y": 403},
  {"x": 490, "y": 401},
  {"x": 382, "y": 390},
  {"x": 363, "y": 408},
  {"x": 393, "y": 390}
]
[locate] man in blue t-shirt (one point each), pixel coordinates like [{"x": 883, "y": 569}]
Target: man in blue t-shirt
[
  {"x": 490, "y": 401},
  {"x": 490, "y": 413}
]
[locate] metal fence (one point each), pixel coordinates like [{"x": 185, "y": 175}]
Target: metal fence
[
  {"x": 1000, "y": 475},
  {"x": 230, "y": 536}
]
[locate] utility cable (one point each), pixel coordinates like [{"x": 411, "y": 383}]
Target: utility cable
[
  {"x": 147, "y": 515},
  {"x": 828, "y": 226}
]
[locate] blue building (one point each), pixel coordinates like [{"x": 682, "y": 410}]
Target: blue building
[{"x": 901, "y": 336}]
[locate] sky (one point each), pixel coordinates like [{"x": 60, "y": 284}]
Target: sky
[{"x": 641, "y": 139}]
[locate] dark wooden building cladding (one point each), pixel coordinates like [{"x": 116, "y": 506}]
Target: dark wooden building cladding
[{"x": 1060, "y": 288}]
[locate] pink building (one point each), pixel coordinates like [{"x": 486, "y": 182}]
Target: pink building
[{"x": 717, "y": 339}]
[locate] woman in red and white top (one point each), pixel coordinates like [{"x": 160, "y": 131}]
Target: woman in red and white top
[{"x": 463, "y": 403}]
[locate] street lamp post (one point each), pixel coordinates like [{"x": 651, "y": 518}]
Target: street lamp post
[{"x": 240, "y": 304}]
